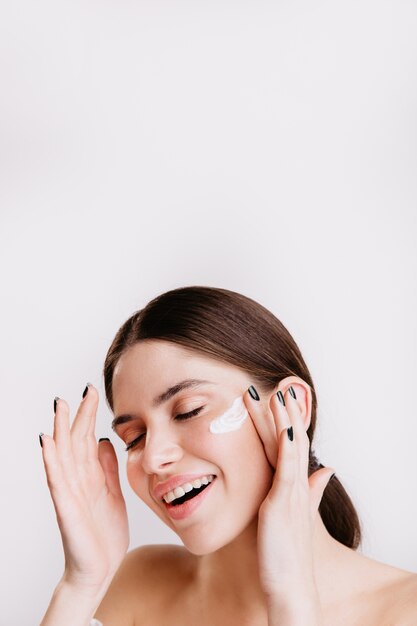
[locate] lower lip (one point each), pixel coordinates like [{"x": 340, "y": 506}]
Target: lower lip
[{"x": 181, "y": 511}]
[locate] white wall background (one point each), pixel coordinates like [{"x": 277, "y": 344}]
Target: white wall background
[{"x": 265, "y": 147}]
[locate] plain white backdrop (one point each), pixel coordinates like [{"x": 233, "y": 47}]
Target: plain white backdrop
[{"x": 265, "y": 147}]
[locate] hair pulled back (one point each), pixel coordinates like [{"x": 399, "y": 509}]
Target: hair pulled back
[{"x": 235, "y": 329}]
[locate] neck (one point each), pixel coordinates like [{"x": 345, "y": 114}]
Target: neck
[{"x": 231, "y": 573}]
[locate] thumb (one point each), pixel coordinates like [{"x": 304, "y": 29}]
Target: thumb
[{"x": 318, "y": 483}]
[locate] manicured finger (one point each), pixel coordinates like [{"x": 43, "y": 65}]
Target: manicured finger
[
  {"x": 61, "y": 425},
  {"x": 280, "y": 416},
  {"x": 294, "y": 413},
  {"x": 85, "y": 419},
  {"x": 264, "y": 423},
  {"x": 83, "y": 428},
  {"x": 300, "y": 433},
  {"x": 279, "y": 413},
  {"x": 286, "y": 472},
  {"x": 62, "y": 437}
]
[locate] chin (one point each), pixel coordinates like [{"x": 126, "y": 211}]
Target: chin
[
  {"x": 202, "y": 545},
  {"x": 201, "y": 541}
]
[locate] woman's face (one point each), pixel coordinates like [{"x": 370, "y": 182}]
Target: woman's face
[{"x": 175, "y": 447}]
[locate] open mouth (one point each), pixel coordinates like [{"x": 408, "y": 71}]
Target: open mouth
[
  {"x": 188, "y": 490},
  {"x": 183, "y": 506},
  {"x": 189, "y": 496}
]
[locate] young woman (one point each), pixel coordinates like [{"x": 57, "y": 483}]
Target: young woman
[{"x": 217, "y": 409}]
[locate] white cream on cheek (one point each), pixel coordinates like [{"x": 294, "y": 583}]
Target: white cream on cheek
[{"x": 232, "y": 419}]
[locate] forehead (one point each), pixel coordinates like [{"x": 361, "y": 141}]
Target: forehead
[
  {"x": 158, "y": 356},
  {"x": 150, "y": 366}
]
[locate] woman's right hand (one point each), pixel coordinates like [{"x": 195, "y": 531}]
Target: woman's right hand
[{"x": 83, "y": 479}]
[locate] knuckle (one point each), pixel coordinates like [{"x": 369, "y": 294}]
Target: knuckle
[{"x": 286, "y": 479}]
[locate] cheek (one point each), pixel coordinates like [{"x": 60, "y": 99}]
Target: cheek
[
  {"x": 240, "y": 449},
  {"x": 244, "y": 454},
  {"x": 201, "y": 443},
  {"x": 254, "y": 466},
  {"x": 246, "y": 473},
  {"x": 253, "y": 452}
]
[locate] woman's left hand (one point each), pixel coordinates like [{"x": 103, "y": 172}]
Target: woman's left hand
[{"x": 287, "y": 515}]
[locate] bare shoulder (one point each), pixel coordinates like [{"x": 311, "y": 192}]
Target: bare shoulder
[
  {"x": 396, "y": 596},
  {"x": 376, "y": 594},
  {"x": 146, "y": 577},
  {"x": 404, "y": 601}
]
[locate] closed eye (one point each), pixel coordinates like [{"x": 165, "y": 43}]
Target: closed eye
[
  {"x": 185, "y": 416},
  {"x": 179, "y": 417},
  {"x": 134, "y": 442}
]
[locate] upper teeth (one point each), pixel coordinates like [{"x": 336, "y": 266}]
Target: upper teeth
[{"x": 180, "y": 491}]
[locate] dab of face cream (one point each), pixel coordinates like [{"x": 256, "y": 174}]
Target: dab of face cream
[{"x": 232, "y": 419}]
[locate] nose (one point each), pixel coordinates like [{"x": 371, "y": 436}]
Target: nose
[{"x": 161, "y": 450}]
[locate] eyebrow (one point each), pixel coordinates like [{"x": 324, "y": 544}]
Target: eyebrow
[{"x": 163, "y": 397}]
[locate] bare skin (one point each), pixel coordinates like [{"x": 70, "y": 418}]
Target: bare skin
[
  {"x": 207, "y": 583},
  {"x": 167, "y": 585},
  {"x": 226, "y": 573}
]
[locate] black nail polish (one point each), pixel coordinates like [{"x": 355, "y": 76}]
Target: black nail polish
[
  {"x": 86, "y": 390},
  {"x": 332, "y": 476},
  {"x": 290, "y": 433},
  {"x": 281, "y": 397},
  {"x": 253, "y": 392},
  {"x": 292, "y": 392},
  {"x": 40, "y": 439},
  {"x": 55, "y": 401},
  {"x": 104, "y": 439}
]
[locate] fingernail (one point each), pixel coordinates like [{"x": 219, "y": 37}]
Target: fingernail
[
  {"x": 292, "y": 392},
  {"x": 104, "y": 439},
  {"x": 86, "y": 390},
  {"x": 281, "y": 397},
  {"x": 290, "y": 433},
  {"x": 55, "y": 401},
  {"x": 253, "y": 392},
  {"x": 332, "y": 476},
  {"x": 40, "y": 439}
]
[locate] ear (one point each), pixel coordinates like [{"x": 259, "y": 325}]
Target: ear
[{"x": 303, "y": 394}]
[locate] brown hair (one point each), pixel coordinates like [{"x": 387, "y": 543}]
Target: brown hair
[{"x": 235, "y": 329}]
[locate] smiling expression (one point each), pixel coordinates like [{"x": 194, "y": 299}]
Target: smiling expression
[{"x": 166, "y": 428}]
